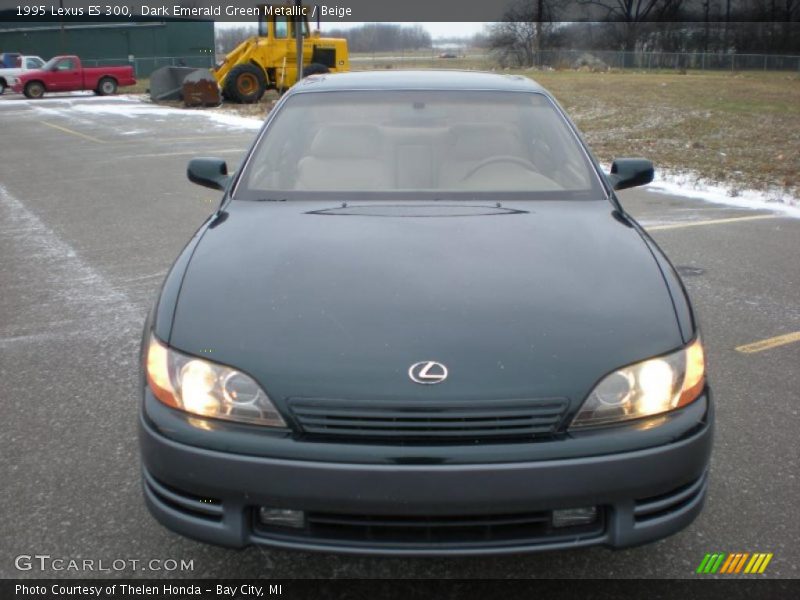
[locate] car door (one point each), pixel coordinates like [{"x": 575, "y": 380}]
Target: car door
[{"x": 66, "y": 76}]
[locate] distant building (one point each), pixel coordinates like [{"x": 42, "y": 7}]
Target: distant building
[{"x": 147, "y": 45}]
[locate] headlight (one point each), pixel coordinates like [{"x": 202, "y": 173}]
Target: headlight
[
  {"x": 647, "y": 388},
  {"x": 204, "y": 388}
]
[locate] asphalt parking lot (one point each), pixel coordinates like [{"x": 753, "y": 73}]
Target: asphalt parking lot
[{"x": 95, "y": 206}]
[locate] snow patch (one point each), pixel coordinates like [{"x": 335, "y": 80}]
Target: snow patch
[
  {"x": 690, "y": 185},
  {"x": 130, "y": 110},
  {"x": 85, "y": 301},
  {"x": 225, "y": 118},
  {"x": 133, "y": 106}
]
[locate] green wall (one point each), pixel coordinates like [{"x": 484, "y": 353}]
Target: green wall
[{"x": 152, "y": 44}]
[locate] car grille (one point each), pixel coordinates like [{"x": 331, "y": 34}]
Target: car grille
[
  {"x": 430, "y": 531},
  {"x": 441, "y": 421}
]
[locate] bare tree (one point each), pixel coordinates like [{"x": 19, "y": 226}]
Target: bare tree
[
  {"x": 523, "y": 33},
  {"x": 226, "y": 39},
  {"x": 633, "y": 13},
  {"x": 378, "y": 37}
]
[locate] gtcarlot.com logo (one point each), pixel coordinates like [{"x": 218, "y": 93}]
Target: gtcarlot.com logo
[
  {"x": 735, "y": 563},
  {"x": 45, "y": 562}
]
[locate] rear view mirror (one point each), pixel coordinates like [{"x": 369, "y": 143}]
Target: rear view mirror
[
  {"x": 631, "y": 172},
  {"x": 209, "y": 172}
]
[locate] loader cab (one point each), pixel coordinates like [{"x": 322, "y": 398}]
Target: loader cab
[
  {"x": 281, "y": 28},
  {"x": 269, "y": 60},
  {"x": 319, "y": 54}
]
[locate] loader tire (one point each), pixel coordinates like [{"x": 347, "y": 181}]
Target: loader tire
[
  {"x": 315, "y": 69},
  {"x": 245, "y": 84}
]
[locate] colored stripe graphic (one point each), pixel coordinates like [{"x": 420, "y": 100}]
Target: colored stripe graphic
[
  {"x": 726, "y": 566},
  {"x": 753, "y": 564},
  {"x": 758, "y": 563},
  {"x": 734, "y": 563},
  {"x": 711, "y": 563},
  {"x": 718, "y": 564},
  {"x": 740, "y": 564},
  {"x": 703, "y": 563},
  {"x": 766, "y": 562}
]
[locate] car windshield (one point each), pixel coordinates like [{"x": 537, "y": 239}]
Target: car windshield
[{"x": 437, "y": 144}]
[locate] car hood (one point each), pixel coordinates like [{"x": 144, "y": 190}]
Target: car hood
[{"x": 538, "y": 299}]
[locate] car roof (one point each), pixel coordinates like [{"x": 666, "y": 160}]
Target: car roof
[{"x": 417, "y": 80}]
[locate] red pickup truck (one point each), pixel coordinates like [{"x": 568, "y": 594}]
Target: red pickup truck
[{"x": 65, "y": 74}]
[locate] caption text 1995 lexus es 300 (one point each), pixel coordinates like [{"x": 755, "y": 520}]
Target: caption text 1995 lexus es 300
[{"x": 420, "y": 322}]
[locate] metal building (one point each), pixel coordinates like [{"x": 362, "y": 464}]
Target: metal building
[{"x": 147, "y": 45}]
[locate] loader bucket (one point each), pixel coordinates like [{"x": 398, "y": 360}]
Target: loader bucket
[
  {"x": 166, "y": 83},
  {"x": 201, "y": 89}
]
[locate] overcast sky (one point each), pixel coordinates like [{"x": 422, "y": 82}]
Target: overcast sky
[
  {"x": 443, "y": 29},
  {"x": 436, "y": 30}
]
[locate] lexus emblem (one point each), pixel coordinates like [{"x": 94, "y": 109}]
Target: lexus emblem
[{"x": 427, "y": 372}]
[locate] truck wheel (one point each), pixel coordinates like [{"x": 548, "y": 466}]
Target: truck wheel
[
  {"x": 245, "y": 83},
  {"x": 315, "y": 69},
  {"x": 33, "y": 89},
  {"x": 107, "y": 86}
]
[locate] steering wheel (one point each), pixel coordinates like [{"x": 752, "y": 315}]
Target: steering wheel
[{"x": 503, "y": 158}]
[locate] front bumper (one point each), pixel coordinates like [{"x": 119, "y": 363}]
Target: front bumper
[{"x": 642, "y": 495}]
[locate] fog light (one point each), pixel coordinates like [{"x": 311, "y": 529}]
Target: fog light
[
  {"x": 282, "y": 517},
  {"x": 570, "y": 517}
]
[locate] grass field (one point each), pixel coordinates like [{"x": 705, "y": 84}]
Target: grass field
[{"x": 738, "y": 129}]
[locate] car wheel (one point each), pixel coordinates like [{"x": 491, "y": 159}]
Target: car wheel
[
  {"x": 106, "y": 87},
  {"x": 2, "y": 86},
  {"x": 34, "y": 89},
  {"x": 315, "y": 69},
  {"x": 245, "y": 84}
]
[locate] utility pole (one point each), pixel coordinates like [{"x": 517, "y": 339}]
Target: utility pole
[
  {"x": 727, "y": 21},
  {"x": 61, "y": 33},
  {"x": 539, "y": 13},
  {"x": 299, "y": 21}
]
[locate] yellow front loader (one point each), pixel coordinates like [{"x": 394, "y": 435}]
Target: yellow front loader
[{"x": 269, "y": 59}]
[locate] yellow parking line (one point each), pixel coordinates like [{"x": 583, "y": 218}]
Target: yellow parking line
[
  {"x": 710, "y": 222},
  {"x": 129, "y": 140},
  {"x": 184, "y": 153},
  {"x": 65, "y": 130},
  {"x": 773, "y": 342},
  {"x": 204, "y": 137}
]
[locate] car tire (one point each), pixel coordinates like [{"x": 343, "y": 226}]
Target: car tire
[
  {"x": 245, "y": 84},
  {"x": 34, "y": 90},
  {"x": 315, "y": 69},
  {"x": 2, "y": 86},
  {"x": 107, "y": 86}
]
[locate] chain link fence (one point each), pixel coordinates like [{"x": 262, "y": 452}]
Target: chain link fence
[
  {"x": 142, "y": 67},
  {"x": 576, "y": 59},
  {"x": 669, "y": 60},
  {"x": 436, "y": 58}
]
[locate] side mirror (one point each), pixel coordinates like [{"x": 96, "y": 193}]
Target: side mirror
[
  {"x": 630, "y": 172},
  {"x": 209, "y": 172}
]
